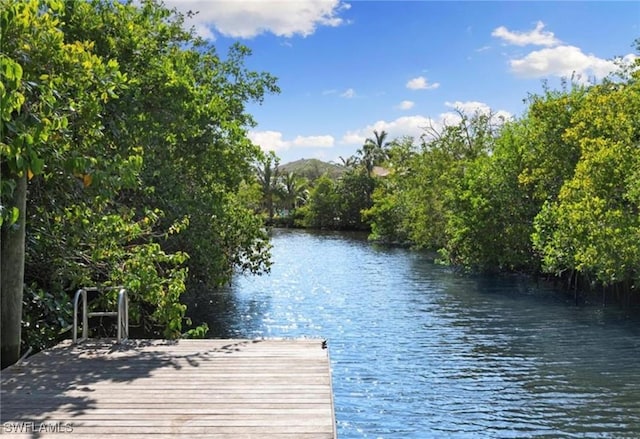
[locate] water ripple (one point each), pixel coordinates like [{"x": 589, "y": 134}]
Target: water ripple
[{"x": 418, "y": 351}]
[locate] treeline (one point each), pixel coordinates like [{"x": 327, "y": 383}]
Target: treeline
[
  {"x": 123, "y": 146},
  {"x": 332, "y": 200},
  {"x": 556, "y": 191}
]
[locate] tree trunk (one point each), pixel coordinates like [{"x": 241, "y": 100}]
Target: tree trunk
[{"x": 12, "y": 278}]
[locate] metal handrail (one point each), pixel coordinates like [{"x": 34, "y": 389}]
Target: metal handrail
[
  {"x": 122, "y": 314},
  {"x": 81, "y": 293}
]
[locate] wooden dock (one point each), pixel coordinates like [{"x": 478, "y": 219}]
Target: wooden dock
[{"x": 187, "y": 388}]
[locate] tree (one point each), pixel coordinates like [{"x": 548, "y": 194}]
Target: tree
[
  {"x": 48, "y": 84},
  {"x": 187, "y": 111},
  {"x": 374, "y": 150},
  {"x": 353, "y": 192},
  {"x": 591, "y": 228},
  {"x": 349, "y": 162},
  {"x": 294, "y": 190},
  {"x": 491, "y": 217},
  {"x": 493, "y": 206},
  {"x": 548, "y": 158},
  {"x": 132, "y": 147},
  {"x": 436, "y": 191},
  {"x": 389, "y": 209},
  {"x": 268, "y": 173},
  {"x": 323, "y": 207}
]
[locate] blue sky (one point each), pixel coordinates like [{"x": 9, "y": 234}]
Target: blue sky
[{"x": 347, "y": 68}]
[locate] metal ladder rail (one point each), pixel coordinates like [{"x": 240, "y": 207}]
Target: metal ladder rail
[{"x": 122, "y": 314}]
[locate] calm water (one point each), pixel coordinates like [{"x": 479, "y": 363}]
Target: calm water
[{"x": 418, "y": 351}]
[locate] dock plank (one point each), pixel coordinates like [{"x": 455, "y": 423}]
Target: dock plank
[{"x": 192, "y": 388}]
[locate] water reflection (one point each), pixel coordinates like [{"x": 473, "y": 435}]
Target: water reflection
[
  {"x": 419, "y": 351},
  {"x": 227, "y": 315}
]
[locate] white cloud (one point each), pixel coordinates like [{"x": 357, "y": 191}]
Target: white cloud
[
  {"x": 470, "y": 108},
  {"x": 564, "y": 61},
  {"x": 421, "y": 83},
  {"x": 273, "y": 141},
  {"x": 536, "y": 37},
  {"x": 449, "y": 118},
  {"x": 557, "y": 59},
  {"x": 418, "y": 125},
  {"x": 268, "y": 140},
  {"x": 313, "y": 141},
  {"x": 405, "y": 105},
  {"x": 246, "y": 19},
  {"x": 203, "y": 31},
  {"x": 502, "y": 115},
  {"x": 403, "y": 126},
  {"x": 349, "y": 93}
]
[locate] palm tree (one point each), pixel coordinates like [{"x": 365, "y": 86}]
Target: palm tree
[
  {"x": 375, "y": 150},
  {"x": 293, "y": 188},
  {"x": 349, "y": 162},
  {"x": 267, "y": 173}
]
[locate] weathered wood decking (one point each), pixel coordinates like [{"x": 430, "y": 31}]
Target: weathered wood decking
[{"x": 186, "y": 388}]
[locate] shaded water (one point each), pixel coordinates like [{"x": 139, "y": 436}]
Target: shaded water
[{"x": 418, "y": 351}]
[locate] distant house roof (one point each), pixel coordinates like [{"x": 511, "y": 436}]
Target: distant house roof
[{"x": 379, "y": 171}]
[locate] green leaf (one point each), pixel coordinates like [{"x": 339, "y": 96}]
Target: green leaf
[
  {"x": 14, "y": 214},
  {"x": 37, "y": 166}
]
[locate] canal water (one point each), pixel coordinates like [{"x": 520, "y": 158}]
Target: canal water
[{"x": 419, "y": 351}]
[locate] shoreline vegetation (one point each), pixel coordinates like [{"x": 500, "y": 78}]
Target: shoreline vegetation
[
  {"x": 123, "y": 145},
  {"x": 126, "y": 161},
  {"x": 554, "y": 194}
]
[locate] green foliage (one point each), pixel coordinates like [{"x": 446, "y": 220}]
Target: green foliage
[
  {"x": 293, "y": 191},
  {"x": 374, "y": 151},
  {"x": 344, "y": 203},
  {"x": 593, "y": 226},
  {"x": 394, "y": 201},
  {"x": 47, "y": 84},
  {"x": 557, "y": 190},
  {"x": 548, "y": 157},
  {"x": 353, "y": 193},
  {"x": 425, "y": 189},
  {"x": 386, "y": 216},
  {"x": 312, "y": 169},
  {"x": 199, "y": 332},
  {"x": 323, "y": 208},
  {"x": 47, "y": 317},
  {"x": 186, "y": 110},
  {"x": 338, "y": 205},
  {"x": 132, "y": 132},
  {"x": 490, "y": 223},
  {"x": 267, "y": 173}
]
